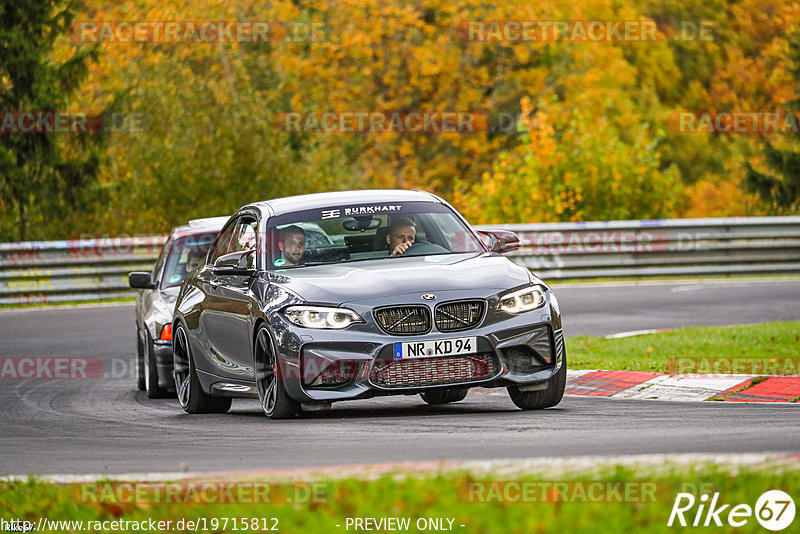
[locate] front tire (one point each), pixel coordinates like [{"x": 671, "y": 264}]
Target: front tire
[
  {"x": 191, "y": 396},
  {"x": 276, "y": 403},
  {"x": 444, "y": 396},
  {"x": 545, "y": 398}
]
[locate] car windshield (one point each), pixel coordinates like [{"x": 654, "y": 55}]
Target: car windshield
[
  {"x": 364, "y": 232},
  {"x": 183, "y": 255}
]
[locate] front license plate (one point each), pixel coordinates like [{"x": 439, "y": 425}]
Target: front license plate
[{"x": 432, "y": 349}]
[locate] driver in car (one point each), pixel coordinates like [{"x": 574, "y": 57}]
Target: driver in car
[
  {"x": 194, "y": 261},
  {"x": 292, "y": 244},
  {"x": 401, "y": 235}
]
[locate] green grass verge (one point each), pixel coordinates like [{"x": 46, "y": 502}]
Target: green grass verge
[
  {"x": 769, "y": 348},
  {"x": 443, "y": 496}
]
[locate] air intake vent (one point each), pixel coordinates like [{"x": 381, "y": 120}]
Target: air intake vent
[
  {"x": 432, "y": 371},
  {"x": 404, "y": 320},
  {"x": 452, "y": 316},
  {"x": 560, "y": 343}
]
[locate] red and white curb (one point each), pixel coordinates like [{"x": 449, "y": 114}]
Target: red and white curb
[{"x": 660, "y": 386}]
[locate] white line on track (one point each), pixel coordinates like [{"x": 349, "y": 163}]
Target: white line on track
[
  {"x": 701, "y": 281},
  {"x": 651, "y": 463}
]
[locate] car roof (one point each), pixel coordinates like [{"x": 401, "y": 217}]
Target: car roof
[
  {"x": 200, "y": 226},
  {"x": 279, "y": 206}
]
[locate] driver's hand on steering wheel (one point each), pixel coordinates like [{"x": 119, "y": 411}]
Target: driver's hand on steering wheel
[{"x": 401, "y": 248}]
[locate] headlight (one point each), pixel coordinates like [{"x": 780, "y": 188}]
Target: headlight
[
  {"x": 522, "y": 300},
  {"x": 321, "y": 317}
]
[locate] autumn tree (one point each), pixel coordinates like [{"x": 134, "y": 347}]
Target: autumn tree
[
  {"x": 778, "y": 182},
  {"x": 39, "y": 176},
  {"x": 573, "y": 167}
]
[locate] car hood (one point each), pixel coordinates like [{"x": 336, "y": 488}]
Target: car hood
[
  {"x": 347, "y": 282},
  {"x": 163, "y": 304},
  {"x": 170, "y": 294}
]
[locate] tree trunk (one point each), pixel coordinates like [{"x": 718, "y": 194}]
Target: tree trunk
[{"x": 21, "y": 221}]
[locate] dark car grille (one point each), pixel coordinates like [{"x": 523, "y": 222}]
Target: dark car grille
[
  {"x": 404, "y": 320},
  {"x": 452, "y": 316},
  {"x": 432, "y": 371}
]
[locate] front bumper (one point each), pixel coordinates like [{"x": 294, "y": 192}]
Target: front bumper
[
  {"x": 358, "y": 362},
  {"x": 162, "y": 352}
]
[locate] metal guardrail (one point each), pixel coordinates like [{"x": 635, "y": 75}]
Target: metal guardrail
[
  {"x": 88, "y": 269},
  {"x": 75, "y": 270},
  {"x": 670, "y": 247}
]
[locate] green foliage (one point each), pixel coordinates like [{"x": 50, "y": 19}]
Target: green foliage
[
  {"x": 773, "y": 346},
  {"x": 779, "y": 183},
  {"x": 449, "y": 495},
  {"x": 571, "y": 167},
  {"x": 212, "y": 142},
  {"x": 40, "y": 175}
]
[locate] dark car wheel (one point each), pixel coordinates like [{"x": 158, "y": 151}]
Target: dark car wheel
[
  {"x": 275, "y": 402},
  {"x": 444, "y": 396},
  {"x": 154, "y": 391},
  {"x": 190, "y": 393},
  {"x": 545, "y": 398},
  {"x": 140, "y": 380}
]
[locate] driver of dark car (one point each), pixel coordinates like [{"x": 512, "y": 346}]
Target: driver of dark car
[
  {"x": 401, "y": 235},
  {"x": 292, "y": 244},
  {"x": 195, "y": 261}
]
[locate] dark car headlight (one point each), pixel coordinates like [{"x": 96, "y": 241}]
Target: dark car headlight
[
  {"x": 321, "y": 317},
  {"x": 522, "y": 300}
]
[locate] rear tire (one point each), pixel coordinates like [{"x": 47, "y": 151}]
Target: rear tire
[
  {"x": 276, "y": 403},
  {"x": 191, "y": 396},
  {"x": 545, "y": 398},
  {"x": 444, "y": 396}
]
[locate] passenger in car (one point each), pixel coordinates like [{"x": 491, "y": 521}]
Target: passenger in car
[
  {"x": 401, "y": 235},
  {"x": 292, "y": 244}
]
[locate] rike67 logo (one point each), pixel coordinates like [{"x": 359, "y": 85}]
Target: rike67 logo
[{"x": 774, "y": 510}]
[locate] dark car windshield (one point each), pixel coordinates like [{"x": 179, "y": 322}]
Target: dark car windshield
[
  {"x": 366, "y": 232},
  {"x": 183, "y": 255}
]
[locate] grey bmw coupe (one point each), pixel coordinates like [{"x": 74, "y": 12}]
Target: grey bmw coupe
[{"x": 307, "y": 300}]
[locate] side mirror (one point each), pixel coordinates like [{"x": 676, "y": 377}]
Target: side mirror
[
  {"x": 140, "y": 280},
  {"x": 501, "y": 241},
  {"x": 235, "y": 263}
]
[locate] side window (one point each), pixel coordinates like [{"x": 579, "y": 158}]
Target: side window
[
  {"x": 223, "y": 242},
  {"x": 244, "y": 235},
  {"x": 160, "y": 260}
]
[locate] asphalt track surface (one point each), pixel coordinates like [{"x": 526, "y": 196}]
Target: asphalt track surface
[{"x": 105, "y": 425}]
